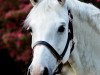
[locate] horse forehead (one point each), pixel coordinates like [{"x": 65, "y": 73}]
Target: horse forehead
[{"x": 47, "y": 18}]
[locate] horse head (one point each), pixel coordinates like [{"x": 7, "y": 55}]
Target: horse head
[{"x": 52, "y": 32}]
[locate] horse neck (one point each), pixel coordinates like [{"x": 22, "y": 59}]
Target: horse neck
[
  {"x": 86, "y": 53},
  {"x": 86, "y": 12}
]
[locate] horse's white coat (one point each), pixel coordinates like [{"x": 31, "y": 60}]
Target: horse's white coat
[
  {"x": 47, "y": 16},
  {"x": 86, "y": 25}
]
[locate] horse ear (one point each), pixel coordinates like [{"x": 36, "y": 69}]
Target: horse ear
[
  {"x": 34, "y": 2},
  {"x": 62, "y": 2}
]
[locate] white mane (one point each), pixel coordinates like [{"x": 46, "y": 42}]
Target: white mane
[
  {"x": 86, "y": 25},
  {"x": 86, "y": 12}
]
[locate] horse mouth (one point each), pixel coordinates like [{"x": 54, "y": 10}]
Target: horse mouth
[{"x": 45, "y": 72}]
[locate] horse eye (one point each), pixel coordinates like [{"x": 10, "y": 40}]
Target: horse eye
[{"x": 61, "y": 29}]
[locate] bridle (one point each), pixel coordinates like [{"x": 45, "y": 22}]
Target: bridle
[{"x": 59, "y": 57}]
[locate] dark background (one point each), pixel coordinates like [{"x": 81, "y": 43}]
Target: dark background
[{"x": 15, "y": 42}]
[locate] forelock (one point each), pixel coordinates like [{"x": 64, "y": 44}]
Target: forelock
[{"x": 42, "y": 8}]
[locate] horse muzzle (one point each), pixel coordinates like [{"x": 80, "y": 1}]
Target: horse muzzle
[{"x": 38, "y": 70}]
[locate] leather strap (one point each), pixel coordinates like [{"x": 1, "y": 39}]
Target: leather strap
[{"x": 52, "y": 50}]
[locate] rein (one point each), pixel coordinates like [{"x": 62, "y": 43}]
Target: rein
[{"x": 59, "y": 57}]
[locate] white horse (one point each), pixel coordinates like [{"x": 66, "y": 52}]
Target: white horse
[{"x": 49, "y": 24}]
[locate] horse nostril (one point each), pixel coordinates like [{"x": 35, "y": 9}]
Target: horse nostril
[{"x": 45, "y": 71}]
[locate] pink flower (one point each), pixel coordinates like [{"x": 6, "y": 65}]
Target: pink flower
[
  {"x": 10, "y": 25},
  {"x": 9, "y": 14},
  {"x": 25, "y": 56},
  {"x": 20, "y": 35},
  {"x": 21, "y": 6},
  {"x": 97, "y": 0},
  {"x": 19, "y": 43},
  {"x": 12, "y": 53},
  {"x": 1, "y": 1}
]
